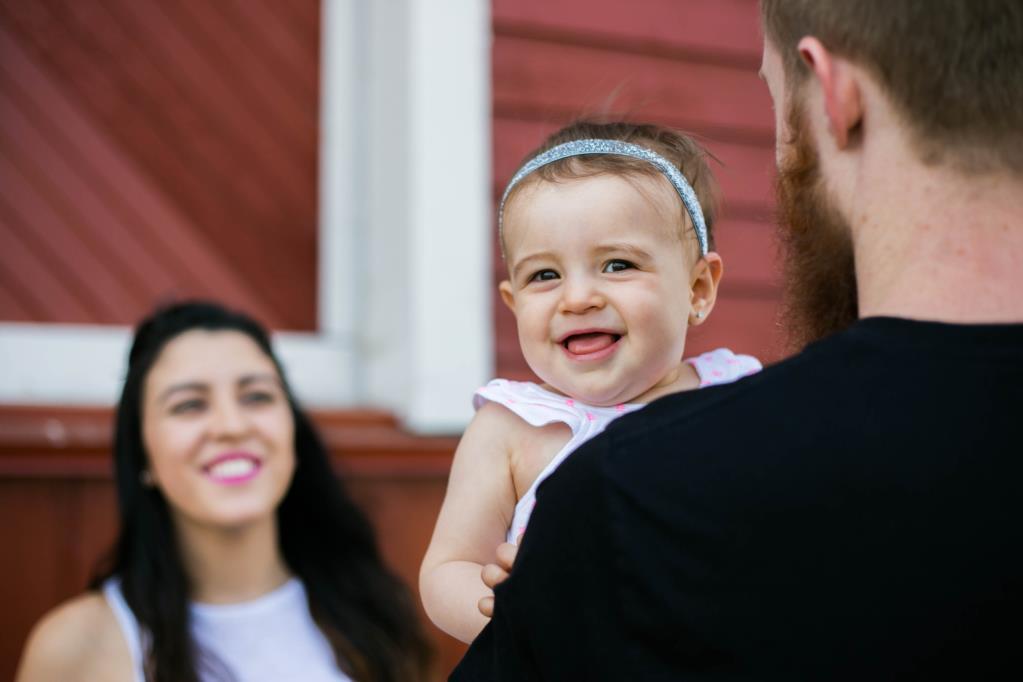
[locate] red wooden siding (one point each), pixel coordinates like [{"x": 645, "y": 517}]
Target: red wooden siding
[
  {"x": 156, "y": 149},
  {"x": 689, "y": 64}
]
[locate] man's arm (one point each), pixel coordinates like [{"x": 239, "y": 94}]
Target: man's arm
[{"x": 556, "y": 616}]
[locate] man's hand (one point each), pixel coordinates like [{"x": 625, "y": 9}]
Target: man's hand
[{"x": 495, "y": 574}]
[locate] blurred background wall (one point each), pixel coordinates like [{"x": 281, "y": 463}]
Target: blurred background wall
[{"x": 331, "y": 168}]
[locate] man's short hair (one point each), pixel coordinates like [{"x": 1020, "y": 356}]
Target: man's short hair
[{"x": 952, "y": 68}]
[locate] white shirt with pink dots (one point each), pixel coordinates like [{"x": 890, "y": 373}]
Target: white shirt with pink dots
[{"x": 539, "y": 407}]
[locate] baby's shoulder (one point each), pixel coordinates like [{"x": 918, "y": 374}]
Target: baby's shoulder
[
  {"x": 508, "y": 392},
  {"x": 78, "y": 640},
  {"x": 535, "y": 403},
  {"x": 500, "y": 420},
  {"x": 521, "y": 412}
]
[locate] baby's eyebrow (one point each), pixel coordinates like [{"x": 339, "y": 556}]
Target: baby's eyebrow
[
  {"x": 523, "y": 262},
  {"x": 623, "y": 246}
]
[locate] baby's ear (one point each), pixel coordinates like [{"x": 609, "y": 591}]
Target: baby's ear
[
  {"x": 703, "y": 286},
  {"x": 507, "y": 295}
]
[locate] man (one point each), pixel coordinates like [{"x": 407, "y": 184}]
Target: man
[{"x": 851, "y": 513}]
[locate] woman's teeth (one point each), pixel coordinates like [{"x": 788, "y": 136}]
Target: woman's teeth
[{"x": 232, "y": 468}]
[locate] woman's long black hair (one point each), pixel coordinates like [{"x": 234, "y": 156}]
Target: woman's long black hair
[{"x": 363, "y": 609}]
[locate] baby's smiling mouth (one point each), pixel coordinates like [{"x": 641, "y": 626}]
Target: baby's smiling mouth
[{"x": 589, "y": 342}]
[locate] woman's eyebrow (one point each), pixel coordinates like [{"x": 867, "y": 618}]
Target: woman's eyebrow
[
  {"x": 186, "y": 386},
  {"x": 249, "y": 379}
]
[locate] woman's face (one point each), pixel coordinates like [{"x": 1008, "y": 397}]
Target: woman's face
[{"x": 218, "y": 430}]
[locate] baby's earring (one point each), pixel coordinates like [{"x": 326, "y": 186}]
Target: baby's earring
[{"x": 697, "y": 311}]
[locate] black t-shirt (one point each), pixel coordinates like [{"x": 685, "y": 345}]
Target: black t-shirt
[{"x": 853, "y": 513}]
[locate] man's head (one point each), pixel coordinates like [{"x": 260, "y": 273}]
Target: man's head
[
  {"x": 952, "y": 69},
  {"x": 939, "y": 77}
]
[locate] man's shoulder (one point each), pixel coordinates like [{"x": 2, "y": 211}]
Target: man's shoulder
[
  {"x": 776, "y": 390},
  {"x": 882, "y": 373}
]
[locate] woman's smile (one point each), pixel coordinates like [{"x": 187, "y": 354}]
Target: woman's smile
[{"x": 233, "y": 468}]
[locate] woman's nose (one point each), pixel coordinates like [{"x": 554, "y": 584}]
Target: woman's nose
[
  {"x": 580, "y": 294},
  {"x": 228, "y": 419}
]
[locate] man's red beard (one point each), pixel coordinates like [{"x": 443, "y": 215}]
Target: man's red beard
[{"x": 819, "y": 275}]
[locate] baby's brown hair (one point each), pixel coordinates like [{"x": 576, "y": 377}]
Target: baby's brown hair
[{"x": 676, "y": 147}]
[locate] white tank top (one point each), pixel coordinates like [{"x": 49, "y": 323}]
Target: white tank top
[
  {"x": 538, "y": 407},
  {"x": 269, "y": 639}
]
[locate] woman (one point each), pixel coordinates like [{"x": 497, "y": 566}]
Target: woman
[{"x": 239, "y": 555}]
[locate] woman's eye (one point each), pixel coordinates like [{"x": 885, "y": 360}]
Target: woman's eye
[
  {"x": 187, "y": 406},
  {"x": 543, "y": 276},
  {"x": 258, "y": 398},
  {"x": 617, "y": 265}
]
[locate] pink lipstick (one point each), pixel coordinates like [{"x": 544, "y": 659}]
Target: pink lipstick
[{"x": 233, "y": 468}]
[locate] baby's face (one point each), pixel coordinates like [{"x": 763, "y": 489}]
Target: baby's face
[{"x": 599, "y": 281}]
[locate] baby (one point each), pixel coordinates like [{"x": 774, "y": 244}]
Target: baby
[{"x": 606, "y": 232}]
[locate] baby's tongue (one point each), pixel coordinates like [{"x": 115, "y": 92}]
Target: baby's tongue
[{"x": 582, "y": 344}]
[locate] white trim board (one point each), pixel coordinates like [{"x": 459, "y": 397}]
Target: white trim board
[
  {"x": 426, "y": 329},
  {"x": 52, "y": 364}
]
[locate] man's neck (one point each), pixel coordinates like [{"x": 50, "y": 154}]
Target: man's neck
[{"x": 935, "y": 244}]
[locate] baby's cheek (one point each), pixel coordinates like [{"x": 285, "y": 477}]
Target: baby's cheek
[{"x": 670, "y": 340}]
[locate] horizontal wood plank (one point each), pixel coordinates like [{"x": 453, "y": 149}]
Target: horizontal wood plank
[
  {"x": 546, "y": 81},
  {"x": 715, "y": 29}
]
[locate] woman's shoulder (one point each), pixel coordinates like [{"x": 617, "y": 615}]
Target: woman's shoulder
[{"x": 78, "y": 640}]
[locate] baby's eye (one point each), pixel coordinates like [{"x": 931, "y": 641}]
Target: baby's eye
[
  {"x": 543, "y": 276},
  {"x": 617, "y": 265}
]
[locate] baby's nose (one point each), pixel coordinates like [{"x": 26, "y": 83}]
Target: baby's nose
[{"x": 580, "y": 295}]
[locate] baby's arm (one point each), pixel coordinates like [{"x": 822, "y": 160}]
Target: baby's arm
[{"x": 473, "y": 521}]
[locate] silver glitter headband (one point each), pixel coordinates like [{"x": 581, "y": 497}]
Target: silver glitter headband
[{"x": 584, "y": 147}]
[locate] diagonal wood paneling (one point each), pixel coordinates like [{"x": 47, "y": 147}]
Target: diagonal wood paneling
[
  {"x": 689, "y": 64},
  {"x": 161, "y": 150}
]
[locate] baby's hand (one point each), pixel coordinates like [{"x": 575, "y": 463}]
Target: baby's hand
[{"x": 495, "y": 574}]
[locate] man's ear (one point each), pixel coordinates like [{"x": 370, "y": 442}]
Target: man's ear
[
  {"x": 703, "y": 287},
  {"x": 507, "y": 295},
  {"x": 839, "y": 88}
]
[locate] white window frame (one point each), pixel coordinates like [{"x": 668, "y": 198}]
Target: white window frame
[{"x": 404, "y": 315}]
